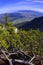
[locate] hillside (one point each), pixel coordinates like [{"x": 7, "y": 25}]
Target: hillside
[
  {"x": 20, "y": 40},
  {"x": 36, "y": 23},
  {"x": 24, "y": 46}
]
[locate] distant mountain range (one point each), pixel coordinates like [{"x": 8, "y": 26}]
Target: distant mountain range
[
  {"x": 36, "y": 23},
  {"x": 20, "y": 16},
  {"x": 25, "y": 19}
]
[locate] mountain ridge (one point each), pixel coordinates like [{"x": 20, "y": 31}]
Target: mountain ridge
[
  {"x": 25, "y": 15},
  {"x": 36, "y": 23}
]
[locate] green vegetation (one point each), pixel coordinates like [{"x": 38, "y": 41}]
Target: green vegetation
[{"x": 27, "y": 41}]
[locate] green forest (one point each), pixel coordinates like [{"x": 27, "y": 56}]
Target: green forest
[{"x": 28, "y": 41}]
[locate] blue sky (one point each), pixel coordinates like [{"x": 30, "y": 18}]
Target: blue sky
[{"x": 15, "y": 5}]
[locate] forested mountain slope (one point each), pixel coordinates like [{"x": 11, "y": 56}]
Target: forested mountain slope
[{"x": 36, "y": 23}]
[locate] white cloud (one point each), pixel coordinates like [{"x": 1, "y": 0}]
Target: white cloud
[
  {"x": 38, "y": 1},
  {"x": 23, "y": 5}
]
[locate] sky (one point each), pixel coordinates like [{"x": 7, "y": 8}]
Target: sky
[{"x": 15, "y": 5}]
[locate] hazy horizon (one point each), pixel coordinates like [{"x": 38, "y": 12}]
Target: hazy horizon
[{"x": 7, "y": 6}]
